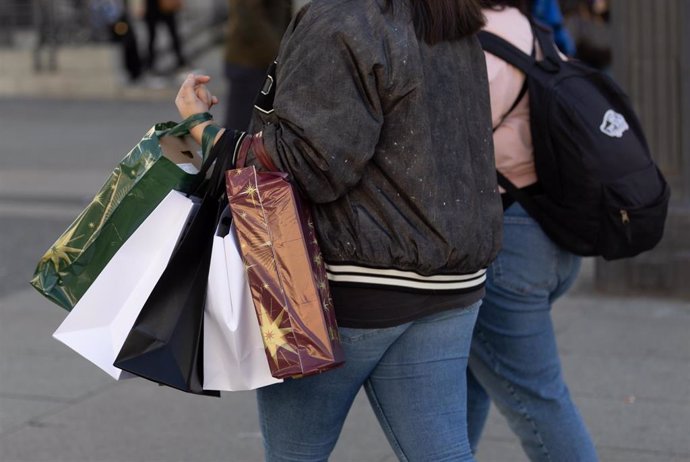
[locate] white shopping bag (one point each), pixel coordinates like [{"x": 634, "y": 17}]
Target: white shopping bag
[
  {"x": 99, "y": 323},
  {"x": 234, "y": 357}
]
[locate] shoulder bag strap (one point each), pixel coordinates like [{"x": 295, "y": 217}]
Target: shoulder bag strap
[
  {"x": 505, "y": 50},
  {"x": 519, "y": 195}
]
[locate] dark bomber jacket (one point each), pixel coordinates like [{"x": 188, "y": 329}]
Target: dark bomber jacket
[{"x": 391, "y": 140}]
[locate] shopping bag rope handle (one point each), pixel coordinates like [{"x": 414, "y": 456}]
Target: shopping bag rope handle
[
  {"x": 216, "y": 162},
  {"x": 255, "y": 142},
  {"x": 209, "y": 156},
  {"x": 207, "y": 137},
  {"x": 183, "y": 128}
]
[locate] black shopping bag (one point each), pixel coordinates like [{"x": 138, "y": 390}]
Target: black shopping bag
[{"x": 166, "y": 341}]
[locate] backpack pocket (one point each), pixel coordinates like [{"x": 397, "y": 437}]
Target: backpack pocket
[{"x": 634, "y": 214}]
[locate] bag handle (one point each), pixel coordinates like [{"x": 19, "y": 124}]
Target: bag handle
[
  {"x": 216, "y": 186},
  {"x": 215, "y": 161},
  {"x": 209, "y": 134},
  {"x": 208, "y": 155},
  {"x": 243, "y": 150},
  {"x": 261, "y": 154},
  {"x": 256, "y": 143},
  {"x": 183, "y": 128}
]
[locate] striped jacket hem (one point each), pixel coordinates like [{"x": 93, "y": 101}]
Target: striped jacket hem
[{"x": 406, "y": 280}]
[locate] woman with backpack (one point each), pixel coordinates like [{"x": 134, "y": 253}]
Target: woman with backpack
[
  {"x": 405, "y": 205},
  {"x": 514, "y": 359}
]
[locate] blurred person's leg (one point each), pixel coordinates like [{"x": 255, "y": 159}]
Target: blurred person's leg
[
  {"x": 130, "y": 48},
  {"x": 170, "y": 21},
  {"x": 514, "y": 355},
  {"x": 151, "y": 23},
  {"x": 45, "y": 16},
  {"x": 131, "y": 57}
]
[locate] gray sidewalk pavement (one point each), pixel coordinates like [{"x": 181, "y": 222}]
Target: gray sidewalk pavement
[{"x": 627, "y": 360}]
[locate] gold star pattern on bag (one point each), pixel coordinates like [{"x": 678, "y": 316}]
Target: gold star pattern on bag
[
  {"x": 251, "y": 192},
  {"x": 247, "y": 266},
  {"x": 274, "y": 336},
  {"x": 61, "y": 251}
]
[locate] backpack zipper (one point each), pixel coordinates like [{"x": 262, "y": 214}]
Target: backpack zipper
[{"x": 625, "y": 220}]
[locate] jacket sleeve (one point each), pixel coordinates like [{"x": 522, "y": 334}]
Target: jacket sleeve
[{"x": 326, "y": 114}]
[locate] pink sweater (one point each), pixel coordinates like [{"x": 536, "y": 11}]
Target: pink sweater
[{"x": 512, "y": 138}]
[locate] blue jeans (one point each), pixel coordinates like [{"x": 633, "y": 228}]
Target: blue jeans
[
  {"x": 514, "y": 359},
  {"x": 410, "y": 374}
]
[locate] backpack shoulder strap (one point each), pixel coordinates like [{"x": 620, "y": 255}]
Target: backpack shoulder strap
[
  {"x": 505, "y": 50},
  {"x": 551, "y": 63},
  {"x": 523, "y": 92},
  {"x": 519, "y": 195},
  {"x": 544, "y": 37}
]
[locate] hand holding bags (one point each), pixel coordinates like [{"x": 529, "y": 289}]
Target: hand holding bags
[
  {"x": 286, "y": 273},
  {"x": 164, "y": 344},
  {"x": 160, "y": 162}
]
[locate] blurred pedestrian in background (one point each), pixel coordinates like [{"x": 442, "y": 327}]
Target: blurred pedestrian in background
[
  {"x": 406, "y": 208},
  {"x": 163, "y": 11},
  {"x": 122, "y": 30},
  {"x": 255, "y": 28},
  {"x": 514, "y": 358},
  {"x": 549, "y": 12},
  {"x": 47, "y": 36},
  {"x": 588, "y": 22}
]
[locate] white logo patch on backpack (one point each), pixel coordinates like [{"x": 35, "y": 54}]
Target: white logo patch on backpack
[{"x": 614, "y": 124}]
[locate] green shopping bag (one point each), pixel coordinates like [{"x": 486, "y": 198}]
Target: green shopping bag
[{"x": 165, "y": 159}]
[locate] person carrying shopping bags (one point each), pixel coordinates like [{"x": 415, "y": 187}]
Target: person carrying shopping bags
[
  {"x": 406, "y": 209},
  {"x": 514, "y": 360}
]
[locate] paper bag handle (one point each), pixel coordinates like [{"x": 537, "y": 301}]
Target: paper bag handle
[
  {"x": 183, "y": 128},
  {"x": 256, "y": 143}
]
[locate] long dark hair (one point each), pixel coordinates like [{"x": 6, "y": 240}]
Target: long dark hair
[
  {"x": 440, "y": 20},
  {"x": 522, "y": 5}
]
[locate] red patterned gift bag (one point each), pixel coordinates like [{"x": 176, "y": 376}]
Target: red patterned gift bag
[{"x": 286, "y": 273}]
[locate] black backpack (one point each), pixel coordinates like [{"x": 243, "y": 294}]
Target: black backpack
[{"x": 600, "y": 193}]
